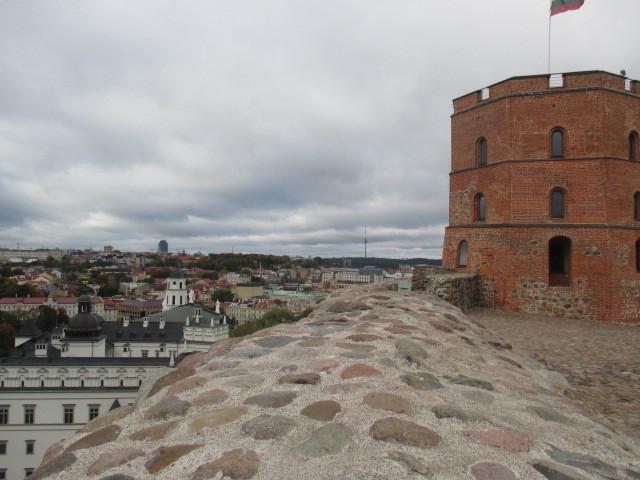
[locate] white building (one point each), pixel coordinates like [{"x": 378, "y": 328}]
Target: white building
[
  {"x": 348, "y": 276},
  {"x": 55, "y": 382},
  {"x": 68, "y": 304},
  {"x": 43, "y": 401}
]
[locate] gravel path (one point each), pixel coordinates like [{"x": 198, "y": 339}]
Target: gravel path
[{"x": 601, "y": 361}]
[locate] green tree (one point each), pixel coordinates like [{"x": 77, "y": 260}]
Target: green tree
[
  {"x": 242, "y": 330},
  {"x": 7, "y": 336},
  {"x": 46, "y": 317},
  {"x": 109, "y": 290},
  {"x": 223, "y": 294}
]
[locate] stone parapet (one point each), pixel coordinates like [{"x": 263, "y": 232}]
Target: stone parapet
[
  {"x": 460, "y": 289},
  {"x": 374, "y": 384}
]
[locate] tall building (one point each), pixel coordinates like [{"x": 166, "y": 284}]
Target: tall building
[
  {"x": 163, "y": 246},
  {"x": 544, "y": 200}
]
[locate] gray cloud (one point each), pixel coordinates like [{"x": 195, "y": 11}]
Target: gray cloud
[{"x": 273, "y": 127}]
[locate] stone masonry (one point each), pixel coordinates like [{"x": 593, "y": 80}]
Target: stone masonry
[{"x": 374, "y": 384}]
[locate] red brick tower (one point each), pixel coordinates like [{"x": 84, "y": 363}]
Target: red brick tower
[{"x": 544, "y": 199}]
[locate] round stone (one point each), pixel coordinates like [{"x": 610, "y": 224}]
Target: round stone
[
  {"x": 273, "y": 399},
  {"x": 388, "y": 401},
  {"x": 492, "y": 471},
  {"x": 405, "y": 432},
  {"x": 266, "y": 427},
  {"x": 324, "y": 410},
  {"x": 327, "y": 440}
]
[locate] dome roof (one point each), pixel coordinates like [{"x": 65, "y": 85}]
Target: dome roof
[{"x": 84, "y": 322}]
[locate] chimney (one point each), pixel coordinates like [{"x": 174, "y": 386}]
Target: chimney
[
  {"x": 145, "y": 322},
  {"x": 125, "y": 322},
  {"x": 161, "y": 323}
]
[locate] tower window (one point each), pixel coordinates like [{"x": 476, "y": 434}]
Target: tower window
[
  {"x": 638, "y": 256},
  {"x": 557, "y": 203},
  {"x": 636, "y": 206},
  {"x": 633, "y": 146},
  {"x": 559, "y": 261},
  {"x": 462, "y": 254},
  {"x": 557, "y": 143},
  {"x": 481, "y": 151},
  {"x": 480, "y": 207}
]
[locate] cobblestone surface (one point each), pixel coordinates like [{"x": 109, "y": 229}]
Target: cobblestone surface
[{"x": 601, "y": 361}]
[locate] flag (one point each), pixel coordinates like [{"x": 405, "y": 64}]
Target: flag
[{"x": 561, "y": 6}]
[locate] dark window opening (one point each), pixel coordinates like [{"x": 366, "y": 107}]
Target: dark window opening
[
  {"x": 482, "y": 151},
  {"x": 462, "y": 254},
  {"x": 638, "y": 256},
  {"x": 559, "y": 261},
  {"x": 480, "y": 207},
  {"x": 68, "y": 414},
  {"x": 557, "y": 143},
  {"x": 633, "y": 146},
  {"x": 636, "y": 206},
  {"x": 557, "y": 204}
]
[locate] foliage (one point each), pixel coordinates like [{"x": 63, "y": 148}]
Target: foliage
[
  {"x": 9, "y": 288},
  {"x": 223, "y": 294},
  {"x": 7, "y": 335},
  {"x": 109, "y": 290},
  {"x": 269, "y": 319}
]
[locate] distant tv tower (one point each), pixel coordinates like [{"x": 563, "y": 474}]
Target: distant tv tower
[{"x": 365, "y": 243}]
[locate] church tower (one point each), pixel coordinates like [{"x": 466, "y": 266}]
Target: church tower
[
  {"x": 176, "y": 293},
  {"x": 544, "y": 201}
]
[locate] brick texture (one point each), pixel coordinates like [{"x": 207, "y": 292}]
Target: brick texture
[{"x": 509, "y": 249}]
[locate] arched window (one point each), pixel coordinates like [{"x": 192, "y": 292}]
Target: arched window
[
  {"x": 480, "y": 207},
  {"x": 636, "y": 206},
  {"x": 481, "y": 151},
  {"x": 462, "y": 254},
  {"x": 557, "y": 143},
  {"x": 559, "y": 261},
  {"x": 557, "y": 203},
  {"x": 633, "y": 146},
  {"x": 638, "y": 256}
]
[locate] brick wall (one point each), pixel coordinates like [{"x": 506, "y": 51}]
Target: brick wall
[{"x": 509, "y": 248}]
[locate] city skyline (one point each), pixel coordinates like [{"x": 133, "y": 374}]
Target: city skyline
[{"x": 280, "y": 128}]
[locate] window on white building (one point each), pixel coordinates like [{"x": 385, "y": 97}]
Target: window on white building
[
  {"x": 94, "y": 411},
  {"x": 29, "y": 414},
  {"x": 68, "y": 411},
  {"x": 27, "y": 472},
  {"x": 145, "y": 353},
  {"x": 4, "y": 414},
  {"x": 30, "y": 447},
  {"x": 3, "y": 447}
]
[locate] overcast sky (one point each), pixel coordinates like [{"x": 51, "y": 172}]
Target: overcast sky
[{"x": 265, "y": 126}]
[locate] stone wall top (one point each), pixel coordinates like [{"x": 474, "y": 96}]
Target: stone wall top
[{"x": 375, "y": 384}]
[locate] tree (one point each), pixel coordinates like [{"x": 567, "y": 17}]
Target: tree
[
  {"x": 46, "y": 317},
  {"x": 7, "y": 336},
  {"x": 109, "y": 290},
  {"x": 223, "y": 294},
  {"x": 273, "y": 317}
]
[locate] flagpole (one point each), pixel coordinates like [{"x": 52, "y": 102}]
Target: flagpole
[{"x": 549, "y": 46}]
